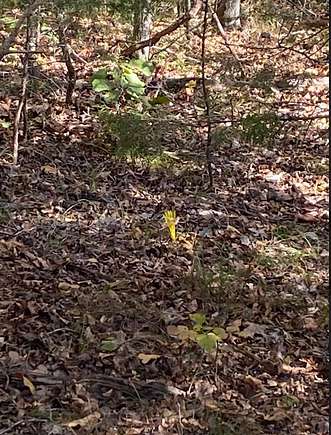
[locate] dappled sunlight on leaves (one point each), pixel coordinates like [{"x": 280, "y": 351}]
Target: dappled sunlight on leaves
[{"x": 135, "y": 299}]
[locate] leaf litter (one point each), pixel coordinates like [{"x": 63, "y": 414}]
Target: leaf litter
[{"x": 96, "y": 332}]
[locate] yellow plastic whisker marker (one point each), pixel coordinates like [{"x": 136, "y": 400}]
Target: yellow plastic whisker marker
[{"x": 170, "y": 219}]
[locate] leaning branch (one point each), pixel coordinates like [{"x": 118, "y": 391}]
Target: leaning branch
[
  {"x": 226, "y": 43},
  {"x": 128, "y": 52}
]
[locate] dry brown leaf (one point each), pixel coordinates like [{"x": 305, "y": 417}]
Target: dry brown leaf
[
  {"x": 145, "y": 358},
  {"x": 88, "y": 421},
  {"x": 310, "y": 217},
  {"x": 234, "y": 326},
  {"x": 67, "y": 286},
  {"x": 181, "y": 331},
  {"x": 49, "y": 169},
  {"x": 251, "y": 330},
  {"x": 29, "y": 384}
]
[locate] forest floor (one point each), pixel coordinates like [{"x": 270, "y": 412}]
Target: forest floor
[{"x": 96, "y": 327}]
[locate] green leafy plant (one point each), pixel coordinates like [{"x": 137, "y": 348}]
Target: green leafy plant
[
  {"x": 259, "y": 128},
  {"x": 123, "y": 81},
  {"x": 131, "y": 128},
  {"x": 4, "y": 215},
  {"x": 324, "y": 320},
  {"x": 207, "y": 337},
  {"x": 131, "y": 134},
  {"x": 109, "y": 345}
]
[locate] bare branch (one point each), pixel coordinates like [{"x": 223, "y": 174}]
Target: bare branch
[
  {"x": 224, "y": 36},
  {"x": 128, "y": 52}
]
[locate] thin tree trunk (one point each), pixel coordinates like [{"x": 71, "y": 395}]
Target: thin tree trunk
[
  {"x": 35, "y": 29},
  {"x": 71, "y": 72},
  {"x": 22, "y": 109},
  {"x": 206, "y": 95},
  {"x": 224, "y": 36},
  {"x": 142, "y": 24}
]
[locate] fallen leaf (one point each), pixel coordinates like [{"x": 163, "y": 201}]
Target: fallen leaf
[
  {"x": 48, "y": 169},
  {"x": 251, "y": 330},
  {"x": 310, "y": 324},
  {"x": 29, "y": 384},
  {"x": 89, "y": 420},
  {"x": 67, "y": 286},
  {"x": 221, "y": 333},
  {"x": 310, "y": 217},
  {"x": 278, "y": 415},
  {"x": 245, "y": 241},
  {"x": 182, "y": 332},
  {"x": 145, "y": 358},
  {"x": 234, "y": 326}
]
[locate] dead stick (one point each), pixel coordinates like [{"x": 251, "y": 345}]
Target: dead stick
[
  {"x": 22, "y": 103},
  {"x": 27, "y": 61}
]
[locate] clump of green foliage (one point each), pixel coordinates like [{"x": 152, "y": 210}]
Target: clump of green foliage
[
  {"x": 127, "y": 113},
  {"x": 123, "y": 82},
  {"x": 131, "y": 134},
  {"x": 259, "y": 128},
  {"x": 206, "y": 336}
]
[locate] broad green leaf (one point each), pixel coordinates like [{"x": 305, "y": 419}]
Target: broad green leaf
[
  {"x": 208, "y": 341},
  {"x": 101, "y": 74},
  {"x": 143, "y": 66},
  {"x": 101, "y": 85},
  {"x": 221, "y": 333},
  {"x": 112, "y": 95},
  {"x": 109, "y": 345},
  {"x": 135, "y": 91},
  {"x": 199, "y": 319},
  {"x": 133, "y": 80}
]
